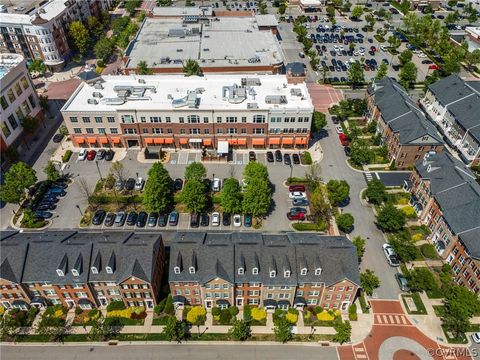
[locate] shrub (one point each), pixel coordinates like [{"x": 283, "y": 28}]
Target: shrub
[
  {"x": 317, "y": 310},
  {"x": 428, "y": 251},
  {"x": 247, "y": 313},
  {"x": 158, "y": 309},
  {"x": 307, "y": 158},
  {"x": 409, "y": 212},
  {"x": 115, "y": 305},
  {"x": 259, "y": 314},
  {"x": 293, "y": 311},
  {"x": 233, "y": 310},
  {"x": 216, "y": 311},
  {"x": 169, "y": 309},
  {"x": 67, "y": 156},
  {"x": 78, "y": 311},
  {"x": 417, "y": 237},
  {"x": 93, "y": 314},
  {"x": 2, "y": 310},
  {"x": 325, "y": 316},
  {"x": 352, "y": 312},
  {"x": 196, "y": 314},
  {"x": 225, "y": 317},
  {"x": 291, "y": 318},
  {"x": 345, "y": 222}
]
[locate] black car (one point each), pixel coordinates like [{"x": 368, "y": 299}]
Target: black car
[
  {"x": 252, "y": 156},
  {"x": 278, "y": 156},
  {"x": 177, "y": 184},
  {"x": 109, "y": 155},
  {"x": 204, "y": 220},
  {"x": 194, "y": 220},
  {"x": 132, "y": 218},
  {"x": 296, "y": 159},
  {"x": 286, "y": 159},
  {"x": 427, "y": 62},
  {"x": 99, "y": 217},
  {"x": 335, "y": 120},
  {"x": 130, "y": 184},
  {"x": 43, "y": 214},
  {"x": 270, "y": 156},
  {"x": 109, "y": 219},
  {"x": 101, "y": 154},
  {"x": 347, "y": 150},
  {"x": 208, "y": 183},
  {"x": 49, "y": 199},
  {"x": 45, "y": 206},
  {"x": 162, "y": 220},
  {"x": 54, "y": 193},
  {"x": 57, "y": 138},
  {"x": 226, "y": 219},
  {"x": 141, "y": 219},
  {"x": 152, "y": 219}
]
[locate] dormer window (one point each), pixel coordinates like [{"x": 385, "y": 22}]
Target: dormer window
[
  {"x": 191, "y": 270},
  {"x": 241, "y": 271},
  {"x": 74, "y": 272},
  {"x": 286, "y": 273},
  {"x": 318, "y": 271},
  {"x": 255, "y": 271},
  {"x": 176, "y": 270},
  {"x": 109, "y": 270},
  {"x": 273, "y": 273},
  {"x": 60, "y": 272},
  {"x": 94, "y": 270},
  {"x": 303, "y": 271}
]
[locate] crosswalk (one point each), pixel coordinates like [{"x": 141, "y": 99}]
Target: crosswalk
[
  {"x": 360, "y": 352},
  {"x": 391, "y": 319},
  {"x": 369, "y": 176}
]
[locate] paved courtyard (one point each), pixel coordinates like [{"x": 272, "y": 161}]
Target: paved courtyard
[{"x": 324, "y": 96}]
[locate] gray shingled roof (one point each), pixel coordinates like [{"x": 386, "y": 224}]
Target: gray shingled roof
[
  {"x": 402, "y": 114},
  {"x": 471, "y": 239},
  {"x": 450, "y": 89}
]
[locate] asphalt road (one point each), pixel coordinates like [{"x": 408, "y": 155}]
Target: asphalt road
[{"x": 174, "y": 351}]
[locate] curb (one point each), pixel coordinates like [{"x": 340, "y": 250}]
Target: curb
[{"x": 352, "y": 168}]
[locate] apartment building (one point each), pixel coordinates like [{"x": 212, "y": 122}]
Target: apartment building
[
  {"x": 214, "y": 112},
  {"x": 447, "y": 200},
  {"x": 405, "y": 131},
  {"x": 453, "y": 105},
  {"x": 38, "y": 29},
  {"x": 78, "y": 269},
  {"x": 266, "y": 270},
  {"x": 18, "y": 99}
]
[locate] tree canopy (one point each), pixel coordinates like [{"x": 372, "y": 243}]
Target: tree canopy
[
  {"x": 51, "y": 171},
  {"x": 18, "y": 178},
  {"x": 143, "y": 69},
  {"x": 369, "y": 281},
  {"x": 338, "y": 191},
  {"x": 191, "y": 67},
  {"x": 376, "y": 192},
  {"x": 194, "y": 196},
  {"x": 195, "y": 171},
  {"x": 390, "y": 218},
  {"x": 79, "y": 35},
  {"x": 158, "y": 194},
  {"x": 231, "y": 196}
]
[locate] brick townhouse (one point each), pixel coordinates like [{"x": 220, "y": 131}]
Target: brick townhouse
[
  {"x": 268, "y": 270},
  {"x": 405, "y": 131},
  {"x": 80, "y": 268},
  {"x": 447, "y": 200}
]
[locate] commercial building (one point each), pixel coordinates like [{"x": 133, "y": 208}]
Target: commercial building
[
  {"x": 453, "y": 104},
  {"x": 80, "y": 269},
  {"x": 38, "y": 29},
  {"x": 266, "y": 270},
  {"x": 405, "y": 131},
  {"x": 18, "y": 99},
  {"x": 447, "y": 200},
  {"x": 214, "y": 112},
  {"x": 309, "y": 6},
  {"x": 218, "y": 44}
]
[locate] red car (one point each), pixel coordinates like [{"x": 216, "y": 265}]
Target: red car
[
  {"x": 373, "y": 48},
  {"x": 296, "y": 216},
  {"x": 293, "y": 188},
  {"x": 344, "y": 140},
  {"x": 433, "y": 67},
  {"x": 91, "y": 155}
]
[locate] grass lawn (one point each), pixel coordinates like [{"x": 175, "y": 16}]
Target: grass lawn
[
  {"x": 428, "y": 251},
  {"x": 162, "y": 320},
  {"x": 435, "y": 294},
  {"x": 126, "y": 321},
  {"x": 363, "y": 304},
  {"x": 418, "y": 303},
  {"x": 439, "y": 310}
]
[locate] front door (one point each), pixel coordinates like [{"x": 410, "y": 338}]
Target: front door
[
  {"x": 132, "y": 143},
  {"x": 208, "y": 304},
  {"x": 239, "y": 301},
  {"x": 149, "y": 304},
  {"x": 345, "y": 305},
  {"x": 103, "y": 301},
  {"x": 70, "y": 303},
  {"x": 6, "y": 304}
]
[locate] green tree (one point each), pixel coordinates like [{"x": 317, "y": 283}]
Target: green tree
[
  {"x": 376, "y": 192},
  {"x": 38, "y": 66},
  {"x": 357, "y": 12},
  {"x": 11, "y": 153},
  {"x": 103, "y": 48},
  {"x": 452, "y": 60},
  {"x": 231, "y": 196},
  {"x": 404, "y": 248},
  {"x": 361, "y": 152},
  {"x": 194, "y": 196},
  {"x": 359, "y": 243},
  {"x": 132, "y": 5},
  {"x": 282, "y": 330},
  {"x": 319, "y": 121},
  {"x": 405, "y": 57},
  {"x": 421, "y": 279},
  {"x": 345, "y": 222},
  {"x": 119, "y": 24},
  {"x": 191, "y": 67},
  {"x": 95, "y": 27},
  {"x": 164, "y": 2},
  {"x": 240, "y": 330},
  {"x": 257, "y": 197},
  {"x": 344, "y": 332},
  {"x": 158, "y": 194},
  {"x": 79, "y": 35},
  {"x": 102, "y": 329},
  {"x": 338, "y": 191},
  {"x": 51, "y": 171},
  {"x": 18, "y": 178},
  {"x": 143, "y": 69},
  {"x": 405, "y": 6},
  {"x": 393, "y": 42},
  {"x": 356, "y": 74},
  {"x": 472, "y": 58},
  {"x": 255, "y": 170},
  {"x": 460, "y": 305},
  {"x": 451, "y": 18},
  {"x": 319, "y": 204},
  {"x": 369, "y": 281},
  {"x": 390, "y": 218},
  {"x": 195, "y": 171},
  {"x": 174, "y": 330},
  {"x": 29, "y": 124},
  {"x": 408, "y": 75},
  {"x": 43, "y": 100},
  {"x": 382, "y": 71},
  {"x": 330, "y": 11}
]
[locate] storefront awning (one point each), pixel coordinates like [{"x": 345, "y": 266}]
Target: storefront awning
[
  {"x": 207, "y": 142},
  {"x": 274, "y": 141},
  {"x": 258, "y": 142},
  {"x": 233, "y": 141},
  {"x": 301, "y": 141},
  {"x": 158, "y": 141},
  {"x": 148, "y": 141},
  {"x": 287, "y": 141},
  {"x": 92, "y": 140},
  {"x": 183, "y": 141},
  {"x": 222, "y": 147},
  {"x": 153, "y": 150},
  {"x": 242, "y": 141},
  {"x": 80, "y": 140},
  {"x": 169, "y": 141},
  {"x": 116, "y": 140},
  {"x": 103, "y": 140}
]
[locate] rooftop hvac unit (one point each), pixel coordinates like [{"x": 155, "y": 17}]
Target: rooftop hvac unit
[
  {"x": 97, "y": 94},
  {"x": 92, "y": 101},
  {"x": 141, "y": 81}
]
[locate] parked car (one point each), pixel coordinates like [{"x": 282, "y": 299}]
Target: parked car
[
  {"x": 339, "y": 129},
  {"x": 335, "y": 120},
  {"x": 82, "y": 155},
  {"x": 91, "y": 155},
  {"x": 433, "y": 67},
  {"x": 204, "y": 219},
  {"x": 178, "y": 184},
  {"x": 347, "y": 151},
  {"x": 226, "y": 219},
  {"x": 237, "y": 220},
  {"x": 216, "y": 219},
  {"x": 194, "y": 220},
  {"x": 247, "y": 220},
  {"x": 344, "y": 140},
  {"x": 132, "y": 218},
  {"x": 296, "y": 188},
  {"x": 43, "y": 214},
  {"x": 216, "y": 185},
  {"x": 172, "y": 219},
  {"x": 402, "y": 282},
  {"x": 101, "y": 154},
  {"x": 120, "y": 218},
  {"x": 98, "y": 217},
  {"x": 109, "y": 155},
  {"x": 118, "y": 185},
  {"x": 270, "y": 156},
  {"x": 152, "y": 219},
  {"x": 476, "y": 337},
  {"x": 130, "y": 184},
  {"x": 390, "y": 255},
  {"x": 56, "y": 192},
  {"x": 49, "y": 198},
  {"x": 296, "y": 159},
  {"x": 252, "y": 156},
  {"x": 296, "y": 216},
  {"x": 109, "y": 219},
  {"x": 296, "y": 194},
  {"x": 300, "y": 202},
  {"x": 286, "y": 159},
  {"x": 43, "y": 206},
  {"x": 278, "y": 156},
  {"x": 139, "y": 183},
  {"x": 141, "y": 219},
  {"x": 57, "y": 138}
]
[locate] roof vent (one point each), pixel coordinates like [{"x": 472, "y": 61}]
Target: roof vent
[
  {"x": 92, "y": 101},
  {"x": 141, "y": 81},
  {"x": 97, "y": 94}
]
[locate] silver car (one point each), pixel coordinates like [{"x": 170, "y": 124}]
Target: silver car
[{"x": 120, "y": 218}]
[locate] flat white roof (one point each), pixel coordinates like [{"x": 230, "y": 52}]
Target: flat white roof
[
  {"x": 266, "y": 20},
  {"x": 311, "y": 2},
  {"x": 175, "y": 92},
  {"x": 475, "y": 30},
  {"x": 8, "y": 61},
  {"x": 182, "y": 11}
]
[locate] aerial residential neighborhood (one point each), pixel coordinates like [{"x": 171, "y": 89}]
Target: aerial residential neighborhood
[{"x": 240, "y": 179}]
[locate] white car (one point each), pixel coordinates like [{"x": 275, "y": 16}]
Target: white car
[
  {"x": 297, "y": 194},
  {"x": 422, "y": 55},
  {"x": 82, "y": 155},
  {"x": 215, "y": 219},
  {"x": 339, "y": 129},
  {"x": 216, "y": 185},
  {"x": 237, "y": 220},
  {"x": 139, "y": 183},
  {"x": 390, "y": 255},
  {"x": 476, "y": 337},
  {"x": 383, "y": 48},
  {"x": 356, "y": 53}
]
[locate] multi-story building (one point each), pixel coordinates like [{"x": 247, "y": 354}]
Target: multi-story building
[
  {"x": 213, "y": 112},
  {"x": 447, "y": 200},
  {"x": 80, "y": 269},
  {"x": 405, "y": 131},
  {"x": 38, "y": 29},
  {"x": 309, "y": 6},
  {"x": 267, "y": 270},
  {"x": 453, "y": 104},
  {"x": 18, "y": 99}
]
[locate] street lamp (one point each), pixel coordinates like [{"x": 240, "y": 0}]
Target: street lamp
[
  {"x": 98, "y": 168},
  {"x": 78, "y": 207},
  {"x": 291, "y": 171}
]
